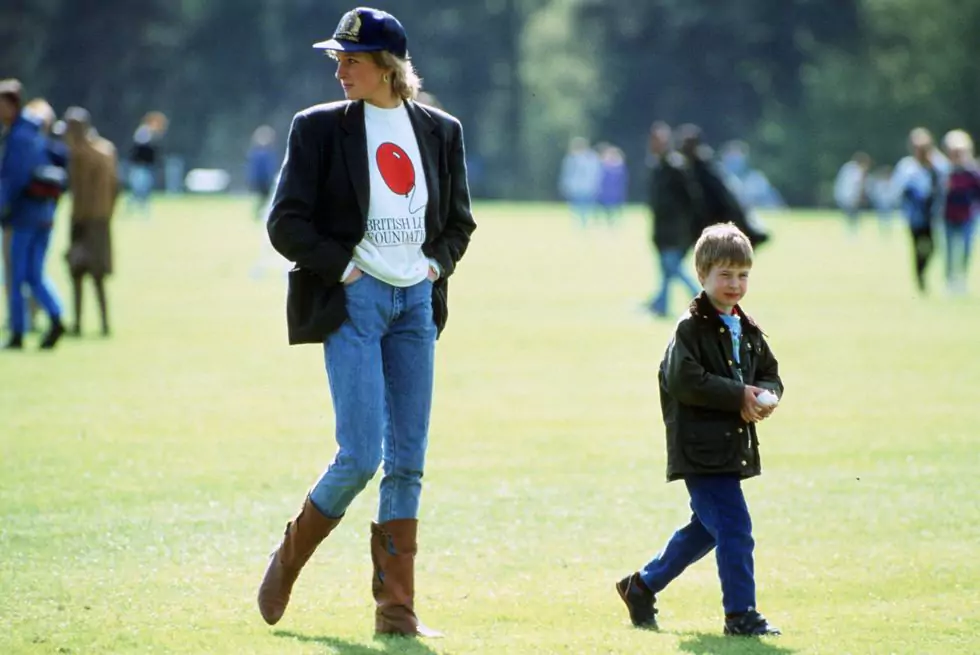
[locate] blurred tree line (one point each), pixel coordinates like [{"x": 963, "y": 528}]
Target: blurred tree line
[{"x": 804, "y": 82}]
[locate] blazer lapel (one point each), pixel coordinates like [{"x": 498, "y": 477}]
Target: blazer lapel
[
  {"x": 425, "y": 134},
  {"x": 355, "y": 154}
]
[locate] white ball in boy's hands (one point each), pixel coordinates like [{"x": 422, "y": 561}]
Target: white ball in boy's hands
[{"x": 767, "y": 399}]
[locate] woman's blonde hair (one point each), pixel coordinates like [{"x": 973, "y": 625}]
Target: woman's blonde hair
[
  {"x": 40, "y": 110},
  {"x": 156, "y": 121},
  {"x": 722, "y": 244},
  {"x": 958, "y": 140},
  {"x": 405, "y": 82}
]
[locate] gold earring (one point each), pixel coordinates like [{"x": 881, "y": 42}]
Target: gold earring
[{"x": 385, "y": 78}]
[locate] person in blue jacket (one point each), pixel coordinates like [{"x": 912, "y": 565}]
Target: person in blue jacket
[
  {"x": 30, "y": 183},
  {"x": 261, "y": 167}
]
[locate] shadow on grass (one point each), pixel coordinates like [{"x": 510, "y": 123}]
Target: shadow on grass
[
  {"x": 714, "y": 644},
  {"x": 384, "y": 645}
]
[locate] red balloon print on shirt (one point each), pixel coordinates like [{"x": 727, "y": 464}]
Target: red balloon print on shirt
[{"x": 396, "y": 168}]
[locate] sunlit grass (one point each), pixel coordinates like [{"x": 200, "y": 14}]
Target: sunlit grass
[{"x": 145, "y": 478}]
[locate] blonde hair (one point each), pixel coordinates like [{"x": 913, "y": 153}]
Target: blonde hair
[
  {"x": 40, "y": 110},
  {"x": 156, "y": 121},
  {"x": 721, "y": 244},
  {"x": 958, "y": 140},
  {"x": 920, "y": 137},
  {"x": 405, "y": 81}
]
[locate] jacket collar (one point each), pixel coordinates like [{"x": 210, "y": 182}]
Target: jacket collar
[
  {"x": 702, "y": 308},
  {"x": 355, "y": 153}
]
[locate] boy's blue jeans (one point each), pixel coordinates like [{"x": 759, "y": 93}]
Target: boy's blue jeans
[
  {"x": 670, "y": 269},
  {"x": 720, "y": 521},
  {"x": 380, "y": 367},
  {"x": 28, "y": 250}
]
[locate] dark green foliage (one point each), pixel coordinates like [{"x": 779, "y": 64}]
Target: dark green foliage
[{"x": 806, "y": 82}]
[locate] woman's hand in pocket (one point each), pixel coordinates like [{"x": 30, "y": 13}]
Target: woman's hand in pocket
[{"x": 355, "y": 275}]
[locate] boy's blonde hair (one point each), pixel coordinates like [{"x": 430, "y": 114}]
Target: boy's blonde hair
[{"x": 721, "y": 244}]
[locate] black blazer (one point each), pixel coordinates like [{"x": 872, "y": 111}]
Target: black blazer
[{"x": 319, "y": 210}]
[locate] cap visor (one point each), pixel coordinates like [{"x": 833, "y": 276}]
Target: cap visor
[{"x": 346, "y": 46}]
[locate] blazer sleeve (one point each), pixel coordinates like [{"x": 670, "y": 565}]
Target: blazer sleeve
[
  {"x": 290, "y": 224},
  {"x": 448, "y": 247},
  {"x": 688, "y": 381}
]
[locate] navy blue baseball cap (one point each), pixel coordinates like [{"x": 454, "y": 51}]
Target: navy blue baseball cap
[{"x": 368, "y": 30}]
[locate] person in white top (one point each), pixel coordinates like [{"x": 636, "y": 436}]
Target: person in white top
[
  {"x": 578, "y": 181},
  {"x": 849, "y": 187},
  {"x": 373, "y": 207}
]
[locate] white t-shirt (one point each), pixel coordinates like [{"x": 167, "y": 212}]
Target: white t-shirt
[
  {"x": 392, "y": 246},
  {"x": 848, "y": 185}
]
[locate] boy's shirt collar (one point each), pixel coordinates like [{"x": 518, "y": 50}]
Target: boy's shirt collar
[{"x": 701, "y": 306}]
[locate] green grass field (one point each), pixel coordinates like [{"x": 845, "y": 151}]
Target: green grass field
[{"x": 145, "y": 478}]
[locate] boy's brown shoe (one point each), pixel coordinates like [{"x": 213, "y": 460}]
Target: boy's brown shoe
[{"x": 639, "y": 601}]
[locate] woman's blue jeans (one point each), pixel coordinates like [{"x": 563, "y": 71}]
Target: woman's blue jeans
[{"x": 380, "y": 368}]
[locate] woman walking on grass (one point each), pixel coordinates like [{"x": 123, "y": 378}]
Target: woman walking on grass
[{"x": 373, "y": 207}]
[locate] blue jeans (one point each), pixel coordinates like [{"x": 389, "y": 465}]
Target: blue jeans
[
  {"x": 380, "y": 367},
  {"x": 721, "y": 521},
  {"x": 28, "y": 249},
  {"x": 583, "y": 208},
  {"x": 670, "y": 269},
  {"x": 141, "y": 180},
  {"x": 959, "y": 237}
]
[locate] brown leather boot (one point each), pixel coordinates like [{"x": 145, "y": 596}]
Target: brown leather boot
[
  {"x": 303, "y": 534},
  {"x": 393, "y": 548}
]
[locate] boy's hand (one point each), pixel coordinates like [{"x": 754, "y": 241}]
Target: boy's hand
[
  {"x": 752, "y": 411},
  {"x": 769, "y": 402}
]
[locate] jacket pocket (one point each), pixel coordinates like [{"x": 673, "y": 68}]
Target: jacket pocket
[
  {"x": 313, "y": 309},
  {"x": 710, "y": 446}
]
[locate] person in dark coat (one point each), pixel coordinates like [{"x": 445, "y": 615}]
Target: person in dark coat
[
  {"x": 373, "y": 206},
  {"x": 674, "y": 208},
  {"x": 719, "y": 204},
  {"x": 718, "y": 378},
  {"x": 143, "y": 160}
]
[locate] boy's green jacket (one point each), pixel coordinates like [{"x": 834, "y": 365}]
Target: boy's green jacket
[{"x": 701, "y": 394}]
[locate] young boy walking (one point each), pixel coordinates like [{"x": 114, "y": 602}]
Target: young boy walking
[{"x": 718, "y": 379}]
